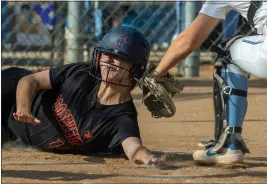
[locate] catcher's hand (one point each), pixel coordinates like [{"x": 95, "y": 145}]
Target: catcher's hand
[{"x": 158, "y": 92}]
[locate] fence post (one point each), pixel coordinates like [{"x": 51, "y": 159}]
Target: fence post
[
  {"x": 61, "y": 11},
  {"x": 98, "y": 20},
  {"x": 180, "y": 20},
  {"x": 191, "y": 64},
  {"x": 75, "y": 45}
]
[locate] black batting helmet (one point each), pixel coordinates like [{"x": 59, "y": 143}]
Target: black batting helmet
[{"x": 126, "y": 43}]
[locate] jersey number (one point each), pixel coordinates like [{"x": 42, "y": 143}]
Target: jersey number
[{"x": 56, "y": 144}]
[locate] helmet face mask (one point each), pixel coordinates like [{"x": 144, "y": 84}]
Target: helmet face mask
[
  {"x": 126, "y": 45},
  {"x": 111, "y": 70}
]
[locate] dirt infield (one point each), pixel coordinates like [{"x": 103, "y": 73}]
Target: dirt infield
[{"x": 178, "y": 136}]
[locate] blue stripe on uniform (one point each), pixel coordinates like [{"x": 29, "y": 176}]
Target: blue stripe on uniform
[{"x": 251, "y": 42}]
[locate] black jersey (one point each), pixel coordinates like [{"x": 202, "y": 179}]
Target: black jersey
[{"x": 72, "y": 118}]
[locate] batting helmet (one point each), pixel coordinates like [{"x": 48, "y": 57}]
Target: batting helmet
[{"x": 126, "y": 43}]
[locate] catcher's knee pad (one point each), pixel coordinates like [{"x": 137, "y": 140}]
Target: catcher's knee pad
[{"x": 250, "y": 54}]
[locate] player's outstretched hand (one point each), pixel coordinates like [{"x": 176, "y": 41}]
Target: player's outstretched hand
[
  {"x": 152, "y": 161},
  {"x": 156, "y": 162},
  {"x": 26, "y": 117}
]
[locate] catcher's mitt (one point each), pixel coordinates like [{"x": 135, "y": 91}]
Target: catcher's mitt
[{"x": 158, "y": 92}]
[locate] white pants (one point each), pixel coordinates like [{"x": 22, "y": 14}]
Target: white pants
[{"x": 250, "y": 54}]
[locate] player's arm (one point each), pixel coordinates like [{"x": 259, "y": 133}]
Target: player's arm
[
  {"x": 186, "y": 42},
  {"x": 139, "y": 154},
  {"x": 26, "y": 88},
  {"x": 49, "y": 79}
]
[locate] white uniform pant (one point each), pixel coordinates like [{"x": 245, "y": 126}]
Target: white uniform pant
[{"x": 250, "y": 54}]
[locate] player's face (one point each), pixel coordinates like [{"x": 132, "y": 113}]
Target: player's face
[{"x": 115, "y": 69}]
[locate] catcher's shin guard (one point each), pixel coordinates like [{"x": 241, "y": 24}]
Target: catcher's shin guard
[{"x": 229, "y": 97}]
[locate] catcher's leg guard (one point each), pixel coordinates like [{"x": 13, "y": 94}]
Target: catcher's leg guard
[{"x": 230, "y": 103}]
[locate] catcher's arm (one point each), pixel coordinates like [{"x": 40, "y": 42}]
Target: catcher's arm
[
  {"x": 187, "y": 41},
  {"x": 26, "y": 88}
]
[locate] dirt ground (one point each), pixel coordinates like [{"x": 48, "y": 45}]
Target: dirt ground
[{"x": 177, "y": 136}]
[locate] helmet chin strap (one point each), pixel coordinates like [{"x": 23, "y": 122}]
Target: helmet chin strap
[{"x": 116, "y": 84}]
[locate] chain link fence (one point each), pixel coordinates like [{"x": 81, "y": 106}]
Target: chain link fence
[{"x": 45, "y": 34}]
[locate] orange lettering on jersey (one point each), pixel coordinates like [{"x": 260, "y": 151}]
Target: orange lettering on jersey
[
  {"x": 71, "y": 133},
  {"x": 67, "y": 122},
  {"x": 67, "y": 126},
  {"x": 60, "y": 109},
  {"x": 87, "y": 135},
  {"x": 65, "y": 114},
  {"x": 59, "y": 101},
  {"x": 77, "y": 142},
  {"x": 59, "y": 97}
]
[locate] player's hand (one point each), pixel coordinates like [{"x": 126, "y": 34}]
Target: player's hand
[
  {"x": 26, "y": 117},
  {"x": 152, "y": 161}
]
